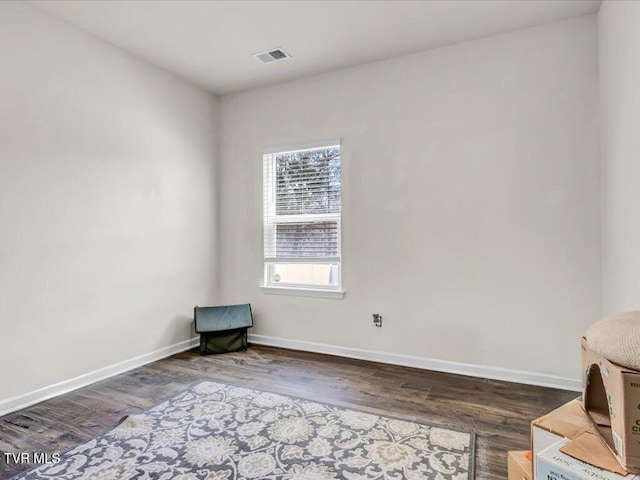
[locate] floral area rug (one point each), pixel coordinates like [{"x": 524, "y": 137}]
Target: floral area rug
[{"x": 220, "y": 432}]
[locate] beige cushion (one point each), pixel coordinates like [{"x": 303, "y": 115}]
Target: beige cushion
[{"x": 617, "y": 339}]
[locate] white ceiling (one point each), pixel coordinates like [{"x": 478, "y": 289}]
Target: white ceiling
[{"x": 211, "y": 42}]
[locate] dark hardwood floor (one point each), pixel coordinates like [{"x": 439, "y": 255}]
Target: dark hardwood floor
[{"x": 499, "y": 412}]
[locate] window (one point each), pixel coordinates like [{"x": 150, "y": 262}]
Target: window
[{"x": 302, "y": 208}]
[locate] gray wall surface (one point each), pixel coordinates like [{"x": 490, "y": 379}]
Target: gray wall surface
[
  {"x": 107, "y": 203},
  {"x": 471, "y": 200},
  {"x": 619, "y": 53}
]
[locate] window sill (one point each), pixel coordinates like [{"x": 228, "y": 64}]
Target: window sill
[{"x": 304, "y": 292}]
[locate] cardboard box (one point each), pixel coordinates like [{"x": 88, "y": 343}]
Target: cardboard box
[
  {"x": 520, "y": 467},
  {"x": 612, "y": 399},
  {"x": 571, "y": 422},
  {"x": 553, "y": 464}
]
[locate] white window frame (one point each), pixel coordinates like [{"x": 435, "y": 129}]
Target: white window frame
[{"x": 310, "y": 290}]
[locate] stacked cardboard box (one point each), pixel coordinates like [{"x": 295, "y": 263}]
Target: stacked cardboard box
[
  {"x": 566, "y": 442},
  {"x": 553, "y": 464},
  {"x": 597, "y": 437},
  {"x": 520, "y": 466},
  {"x": 612, "y": 400}
]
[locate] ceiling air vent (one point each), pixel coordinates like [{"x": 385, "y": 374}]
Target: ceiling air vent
[{"x": 271, "y": 55}]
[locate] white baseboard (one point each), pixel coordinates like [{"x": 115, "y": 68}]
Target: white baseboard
[
  {"x": 496, "y": 373},
  {"x": 518, "y": 376},
  {"x": 36, "y": 396}
]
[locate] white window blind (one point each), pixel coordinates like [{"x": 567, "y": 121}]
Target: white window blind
[{"x": 302, "y": 213}]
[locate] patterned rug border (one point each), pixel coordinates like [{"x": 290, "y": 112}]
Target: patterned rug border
[{"x": 360, "y": 408}]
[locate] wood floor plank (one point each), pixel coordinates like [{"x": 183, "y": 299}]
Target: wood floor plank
[{"x": 498, "y": 412}]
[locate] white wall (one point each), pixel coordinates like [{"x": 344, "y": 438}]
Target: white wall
[
  {"x": 470, "y": 200},
  {"x": 619, "y": 54},
  {"x": 107, "y": 203}
]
